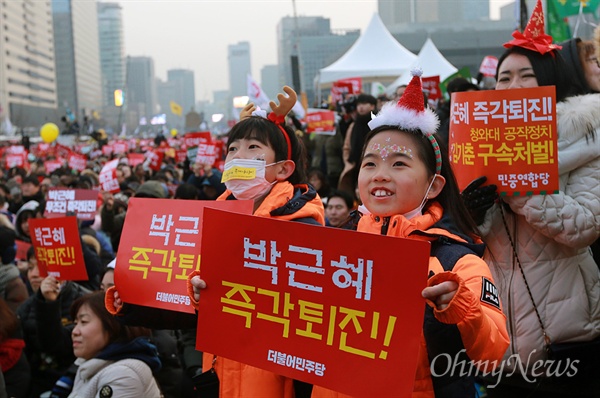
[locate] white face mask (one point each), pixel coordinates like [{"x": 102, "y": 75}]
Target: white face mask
[
  {"x": 245, "y": 178},
  {"x": 417, "y": 211}
]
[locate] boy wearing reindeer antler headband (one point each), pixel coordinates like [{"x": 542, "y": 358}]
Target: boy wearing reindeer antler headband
[{"x": 266, "y": 146}]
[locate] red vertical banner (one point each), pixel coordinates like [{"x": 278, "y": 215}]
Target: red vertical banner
[
  {"x": 58, "y": 248},
  {"x": 313, "y": 303},
  {"x": 432, "y": 85},
  {"x": 156, "y": 158},
  {"x": 509, "y": 136},
  {"x": 108, "y": 177},
  {"x": 160, "y": 246}
]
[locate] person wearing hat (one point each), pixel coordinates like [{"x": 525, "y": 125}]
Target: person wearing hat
[
  {"x": 582, "y": 65},
  {"x": 538, "y": 245},
  {"x": 151, "y": 189},
  {"x": 354, "y": 140},
  {"x": 30, "y": 190}
]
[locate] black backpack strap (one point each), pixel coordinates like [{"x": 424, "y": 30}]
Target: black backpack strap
[{"x": 444, "y": 342}]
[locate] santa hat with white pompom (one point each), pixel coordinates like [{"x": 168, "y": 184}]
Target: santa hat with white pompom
[{"x": 410, "y": 114}]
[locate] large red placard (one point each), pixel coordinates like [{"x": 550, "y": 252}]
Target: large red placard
[{"x": 312, "y": 303}]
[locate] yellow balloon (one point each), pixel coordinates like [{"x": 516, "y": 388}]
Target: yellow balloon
[
  {"x": 49, "y": 132},
  {"x": 173, "y": 132}
]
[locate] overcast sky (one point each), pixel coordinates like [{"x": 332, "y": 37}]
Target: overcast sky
[{"x": 194, "y": 34}]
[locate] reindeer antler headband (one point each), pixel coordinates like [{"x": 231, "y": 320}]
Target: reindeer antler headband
[{"x": 278, "y": 115}]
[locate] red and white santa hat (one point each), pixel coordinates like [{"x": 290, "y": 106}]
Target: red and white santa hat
[{"x": 410, "y": 114}]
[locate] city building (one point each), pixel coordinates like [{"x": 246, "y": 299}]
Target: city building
[
  {"x": 269, "y": 80},
  {"x": 112, "y": 58},
  {"x": 77, "y": 52},
  {"x": 415, "y": 11},
  {"x": 140, "y": 93},
  {"x": 315, "y": 45},
  {"x": 28, "y": 95},
  {"x": 238, "y": 58},
  {"x": 184, "y": 80}
]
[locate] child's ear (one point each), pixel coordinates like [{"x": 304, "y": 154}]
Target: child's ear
[
  {"x": 437, "y": 186},
  {"x": 285, "y": 169}
]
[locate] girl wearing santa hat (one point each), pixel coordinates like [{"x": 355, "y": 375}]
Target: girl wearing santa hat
[{"x": 408, "y": 191}]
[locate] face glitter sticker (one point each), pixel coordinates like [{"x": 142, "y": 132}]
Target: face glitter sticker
[{"x": 387, "y": 149}]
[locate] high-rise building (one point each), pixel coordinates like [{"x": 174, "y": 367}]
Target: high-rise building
[
  {"x": 289, "y": 30},
  {"x": 316, "y": 46},
  {"x": 28, "y": 95},
  {"x": 184, "y": 80},
  {"x": 238, "y": 58},
  {"x": 78, "y": 72},
  {"x": 269, "y": 80},
  {"x": 141, "y": 87},
  {"x": 410, "y": 11},
  {"x": 112, "y": 51}
]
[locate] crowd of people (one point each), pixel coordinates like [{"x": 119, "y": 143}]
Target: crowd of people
[{"x": 385, "y": 172}]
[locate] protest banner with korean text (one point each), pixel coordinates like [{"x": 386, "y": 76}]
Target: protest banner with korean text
[
  {"x": 108, "y": 177},
  {"x": 310, "y": 303},
  {"x": 58, "y": 248},
  {"x": 507, "y": 135},
  {"x": 83, "y": 202},
  {"x": 320, "y": 121},
  {"x": 340, "y": 89},
  {"x": 160, "y": 246},
  {"x": 77, "y": 161}
]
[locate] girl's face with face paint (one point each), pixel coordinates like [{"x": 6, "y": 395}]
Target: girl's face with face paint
[{"x": 393, "y": 179}]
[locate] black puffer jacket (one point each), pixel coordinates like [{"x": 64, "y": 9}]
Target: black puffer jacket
[{"x": 47, "y": 327}]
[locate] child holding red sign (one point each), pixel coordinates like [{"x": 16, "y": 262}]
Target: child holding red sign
[
  {"x": 407, "y": 191},
  {"x": 265, "y": 163}
]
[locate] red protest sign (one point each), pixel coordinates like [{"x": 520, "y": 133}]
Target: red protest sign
[
  {"x": 507, "y": 135},
  {"x": 16, "y": 160},
  {"x": 488, "y": 66},
  {"x": 160, "y": 246},
  {"x": 77, "y": 161},
  {"x": 196, "y": 138},
  {"x": 83, "y": 202},
  {"x": 52, "y": 165},
  {"x": 344, "y": 87},
  {"x": 108, "y": 177},
  {"x": 320, "y": 122},
  {"x": 156, "y": 158},
  {"x": 58, "y": 247},
  {"x": 310, "y": 303},
  {"x": 22, "y": 248},
  {"x": 135, "y": 158},
  {"x": 16, "y": 150},
  {"x": 120, "y": 147},
  {"x": 432, "y": 85},
  {"x": 180, "y": 155},
  {"x": 107, "y": 149}
]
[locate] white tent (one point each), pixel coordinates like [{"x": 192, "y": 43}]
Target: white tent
[
  {"x": 375, "y": 56},
  {"x": 430, "y": 61}
]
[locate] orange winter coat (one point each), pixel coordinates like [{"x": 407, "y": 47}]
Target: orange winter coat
[
  {"x": 284, "y": 202},
  {"x": 482, "y": 326}
]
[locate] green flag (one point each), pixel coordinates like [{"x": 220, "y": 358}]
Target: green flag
[
  {"x": 566, "y": 8},
  {"x": 463, "y": 72},
  {"x": 558, "y": 27}
]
